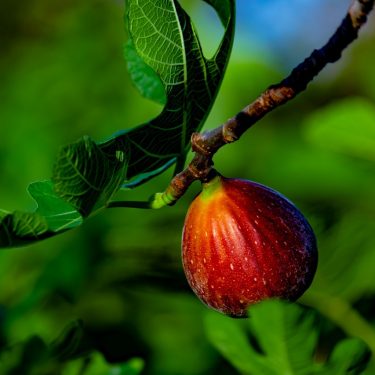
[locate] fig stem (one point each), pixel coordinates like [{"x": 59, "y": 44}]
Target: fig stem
[{"x": 206, "y": 144}]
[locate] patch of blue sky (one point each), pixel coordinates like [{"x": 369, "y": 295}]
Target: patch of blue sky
[{"x": 287, "y": 30}]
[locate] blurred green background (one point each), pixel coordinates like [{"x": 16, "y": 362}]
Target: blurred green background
[{"x": 62, "y": 75}]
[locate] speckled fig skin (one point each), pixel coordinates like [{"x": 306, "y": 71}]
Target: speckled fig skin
[{"x": 242, "y": 243}]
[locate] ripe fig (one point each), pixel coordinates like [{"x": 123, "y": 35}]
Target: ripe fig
[{"x": 242, "y": 243}]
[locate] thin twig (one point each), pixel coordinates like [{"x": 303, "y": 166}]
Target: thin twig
[{"x": 206, "y": 144}]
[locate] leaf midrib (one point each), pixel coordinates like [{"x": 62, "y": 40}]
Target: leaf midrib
[{"x": 183, "y": 49}]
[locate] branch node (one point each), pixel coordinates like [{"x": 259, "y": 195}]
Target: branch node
[{"x": 199, "y": 146}]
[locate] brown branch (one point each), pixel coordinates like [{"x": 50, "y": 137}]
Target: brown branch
[{"x": 206, "y": 144}]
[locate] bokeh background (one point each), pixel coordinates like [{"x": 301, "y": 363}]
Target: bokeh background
[{"x": 62, "y": 75}]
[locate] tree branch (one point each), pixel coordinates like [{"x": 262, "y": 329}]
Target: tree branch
[{"x": 206, "y": 144}]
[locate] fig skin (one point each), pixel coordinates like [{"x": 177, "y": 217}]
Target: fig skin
[{"x": 242, "y": 243}]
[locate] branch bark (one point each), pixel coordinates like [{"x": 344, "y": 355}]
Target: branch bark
[{"x": 206, "y": 144}]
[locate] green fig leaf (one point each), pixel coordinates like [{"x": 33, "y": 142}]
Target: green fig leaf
[
  {"x": 58, "y": 214},
  {"x": 21, "y": 228},
  {"x": 231, "y": 341},
  {"x": 283, "y": 340},
  {"x": 161, "y": 38},
  {"x": 167, "y": 65},
  {"x": 86, "y": 176},
  {"x": 52, "y": 215}
]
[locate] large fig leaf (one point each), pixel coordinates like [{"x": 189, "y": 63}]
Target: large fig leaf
[
  {"x": 283, "y": 341},
  {"x": 166, "y": 63},
  {"x": 190, "y": 82}
]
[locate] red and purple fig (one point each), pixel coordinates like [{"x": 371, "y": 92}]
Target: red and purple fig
[{"x": 244, "y": 242}]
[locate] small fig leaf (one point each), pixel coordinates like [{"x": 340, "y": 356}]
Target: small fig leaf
[
  {"x": 286, "y": 339},
  {"x": 58, "y": 214},
  {"x": 274, "y": 325},
  {"x": 21, "y": 228},
  {"x": 86, "y": 176},
  {"x": 231, "y": 341},
  {"x": 52, "y": 215}
]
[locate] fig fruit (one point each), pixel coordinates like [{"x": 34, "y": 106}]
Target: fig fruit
[{"x": 242, "y": 243}]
